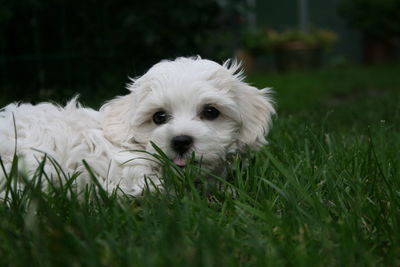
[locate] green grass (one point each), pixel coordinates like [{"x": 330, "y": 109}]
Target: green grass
[{"x": 324, "y": 192}]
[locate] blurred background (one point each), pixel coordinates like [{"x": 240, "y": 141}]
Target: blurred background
[{"x": 51, "y": 49}]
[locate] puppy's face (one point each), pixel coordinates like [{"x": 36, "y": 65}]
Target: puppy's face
[
  {"x": 193, "y": 107},
  {"x": 185, "y": 117}
]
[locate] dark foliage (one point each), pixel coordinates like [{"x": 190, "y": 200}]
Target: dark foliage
[
  {"x": 50, "y": 49},
  {"x": 378, "y": 18}
]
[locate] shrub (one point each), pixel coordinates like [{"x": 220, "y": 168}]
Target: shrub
[{"x": 379, "y": 18}]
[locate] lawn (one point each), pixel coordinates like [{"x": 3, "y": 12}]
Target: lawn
[{"x": 324, "y": 192}]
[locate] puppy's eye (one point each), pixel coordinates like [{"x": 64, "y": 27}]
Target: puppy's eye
[
  {"x": 209, "y": 113},
  {"x": 160, "y": 117}
]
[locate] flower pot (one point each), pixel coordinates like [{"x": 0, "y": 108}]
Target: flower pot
[
  {"x": 378, "y": 50},
  {"x": 246, "y": 58},
  {"x": 297, "y": 55}
]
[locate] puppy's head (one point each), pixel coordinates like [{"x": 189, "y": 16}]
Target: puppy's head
[{"x": 191, "y": 106}]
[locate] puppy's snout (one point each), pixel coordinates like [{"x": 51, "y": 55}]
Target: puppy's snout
[{"x": 181, "y": 143}]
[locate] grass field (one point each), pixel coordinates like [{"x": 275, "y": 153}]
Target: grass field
[{"x": 324, "y": 192}]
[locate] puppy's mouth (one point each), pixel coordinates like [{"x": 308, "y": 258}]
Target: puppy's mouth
[
  {"x": 180, "y": 161},
  {"x": 183, "y": 161}
]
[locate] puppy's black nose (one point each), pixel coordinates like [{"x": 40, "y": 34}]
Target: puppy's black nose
[{"x": 181, "y": 143}]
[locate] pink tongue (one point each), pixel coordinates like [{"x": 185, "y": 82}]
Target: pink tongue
[{"x": 181, "y": 162}]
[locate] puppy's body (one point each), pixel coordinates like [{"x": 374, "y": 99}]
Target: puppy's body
[
  {"x": 68, "y": 136},
  {"x": 187, "y": 106}
]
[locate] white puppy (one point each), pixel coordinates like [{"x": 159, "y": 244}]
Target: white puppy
[{"x": 189, "y": 106}]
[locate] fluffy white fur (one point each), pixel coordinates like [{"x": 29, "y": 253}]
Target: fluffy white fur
[{"x": 107, "y": 138}]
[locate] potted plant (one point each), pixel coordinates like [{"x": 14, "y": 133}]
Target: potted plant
[
  {"x": 253, "y": 43},
  {"x": 379, "y": 23},
  {"x": 295, "y": 49}
]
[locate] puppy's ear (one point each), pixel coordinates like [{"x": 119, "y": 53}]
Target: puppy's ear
[
  {"x": 117, "y": 117},
  {"x": 256, "y": 109}
]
